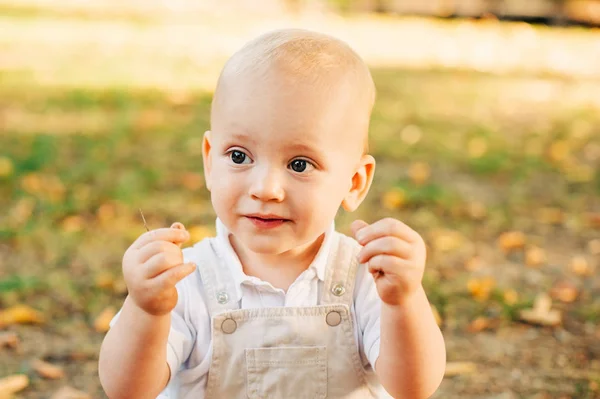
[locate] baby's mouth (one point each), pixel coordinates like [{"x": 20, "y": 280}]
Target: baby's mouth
[{"x": 266, "y": 221}]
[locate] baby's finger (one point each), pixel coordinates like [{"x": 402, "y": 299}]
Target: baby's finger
[
  {"x": 386, "y": 227},
  {"x": 379, "y": 264},
  {"x": 178, "y": 226},
  {"x": 172, "y": 276},
  {"x": 161, "y": 262},
  {"x": 357, "y": 225},
  {"x": 389, "y": 245},
  {"x": 155, "y": 247},
  {"x": 165, "y": 234}
]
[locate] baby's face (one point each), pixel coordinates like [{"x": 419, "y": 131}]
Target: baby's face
[{"x": 280, "y": 160}]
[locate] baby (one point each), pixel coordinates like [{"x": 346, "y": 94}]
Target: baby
[{"x": 279, "y": 304}]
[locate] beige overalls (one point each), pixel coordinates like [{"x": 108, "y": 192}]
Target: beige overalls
[{"x": 285, "y": 352}]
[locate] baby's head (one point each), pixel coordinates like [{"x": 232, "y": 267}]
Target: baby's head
[{"x": 288, "y": 139}]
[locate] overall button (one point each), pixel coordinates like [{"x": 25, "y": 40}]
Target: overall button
[
  {"x": 333, "y": 318},
  {"x": 338, "y": 290},
  {"x": 228, "y": 326}
]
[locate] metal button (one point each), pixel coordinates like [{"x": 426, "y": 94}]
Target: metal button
[
  {"x": 222, "y": 297},
  {"x": 228, "y": 326},
  {"x": 338, "y": 289},
  {"x": 333, "y": 318}
]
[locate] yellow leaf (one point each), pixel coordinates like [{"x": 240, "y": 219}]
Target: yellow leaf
[
  {"x": 73, "y": 223},
  {"x": 510, "y": 297},
  {"x": 47, "y": 370},
  {"x": 199, "y": 232},
  {"x": 102, "y": 322},
  {"x": 477, "y": 147},
  {"x": 473, "y": 264},
  {"x": 105, "y": 280},
  {"x": 393, "y": 199},
  {"x": 20, "y": 314},
  {"x": 105, "y": 213},
  {"x": 447, "y": 240},
  {"x": 564, "y": 291},
  {"x": 6, "y": 167},
  {"x": 549, "y": 215},
  {"x": 511, "y": 240},
  {"x": 13, "y": 384},
  {"x": 479, "y": 324},
  {"x": 559, "y": 151},
  {"x": 476, "y": 210},
  {"x": 535, "y": 256},
  {"x": 594, "y": 246},
  {"x": 481, "y": 289},
  {"x": 580, "y": 266},
  {"x": 419, "y": 172}
]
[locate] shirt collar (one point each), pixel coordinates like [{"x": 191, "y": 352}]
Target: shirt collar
[{"x": 227, "y": 253}]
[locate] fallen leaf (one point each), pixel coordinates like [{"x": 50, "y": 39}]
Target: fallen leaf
[
  {"x": 476, "y": 210},
  {"x": 12, "y": 384},
  {"x": 473, "y": 264},
  {"x": 105, "y": 213},
  {"x": 419, "y": 172},
  {"x": 105, "y": 280},
  {"x": 393, "y": 199},
  {"x": 20, "y": 314},
  {"x": 481, "y": 289},
  {"x": 550, "y": 215},
  {"x": 511, "y": 240},
  {"x": 459, "y": 368},
  {"x": 580, "y": 266},
  {"x": 73, "y": 223},
  {"x": 593, "y": 219},
  {"x": 9, "y": 340},
  {"x": 564, "y": 291},
  {"x": 510, "y": 297},
  {"x": 47, "y": 370},
  {"x": 541, "y": 313},
  {"x": 559, "y": 151},
  {"x": 102, "y": 322},
  {"x": 535, "y": 256},
  {"x": 479, "y": 324},
  {"x": 477, "y": 147},
  {"x": 447, "y": 240},
  {"x": 68, "y": 392},
  {"x": 436, "y": 315},
  {"x": 6, "y": 167},
  {"x": 594, "y": 246}
]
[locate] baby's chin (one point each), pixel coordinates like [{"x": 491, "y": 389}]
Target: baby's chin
[{"x": 266, "y": 245}]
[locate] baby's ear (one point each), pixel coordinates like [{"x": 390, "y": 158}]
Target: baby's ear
[
  {"x": 361, "y": 182},
  {"x": 206, "y": 157}
]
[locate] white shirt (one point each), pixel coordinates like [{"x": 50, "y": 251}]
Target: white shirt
[{"x": 189, "y": 342}]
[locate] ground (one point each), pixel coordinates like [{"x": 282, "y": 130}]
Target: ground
[{"x": 498, "y": 171}]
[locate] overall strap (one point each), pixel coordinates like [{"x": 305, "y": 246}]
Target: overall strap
[
  {"x": 340, "y": 274},
  {"x": 216, "y": 278}
]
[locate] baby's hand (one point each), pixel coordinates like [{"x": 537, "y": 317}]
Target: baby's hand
[
  {"x": 395, "y": 255},
  {"x": 152, "y": 265}
]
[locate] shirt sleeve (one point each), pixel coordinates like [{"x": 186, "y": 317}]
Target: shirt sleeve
[{"x": 368, "y": 313}]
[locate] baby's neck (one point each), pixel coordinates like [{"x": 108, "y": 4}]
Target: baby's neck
[{"x": 281, "y": 270}]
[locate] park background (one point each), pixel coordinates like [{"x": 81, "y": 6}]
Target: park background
[{"x": 486, "y": 132}]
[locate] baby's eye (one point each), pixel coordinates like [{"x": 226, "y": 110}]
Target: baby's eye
[
  {"x": 239, "y": 157},
  {"x": 300, "y": 165}
]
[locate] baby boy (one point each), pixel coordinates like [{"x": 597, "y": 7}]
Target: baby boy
[{"x": 279, "y": 304}]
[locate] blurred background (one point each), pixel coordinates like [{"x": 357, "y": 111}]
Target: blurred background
[{"x": 486, "y": 132}]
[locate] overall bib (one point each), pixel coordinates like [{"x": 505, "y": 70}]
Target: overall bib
[{"x": 285, "y": 352}]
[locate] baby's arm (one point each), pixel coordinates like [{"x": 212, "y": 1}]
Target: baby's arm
[
  {"x": 133, "y": 361},
  {"x": 412, "y": 354}
]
